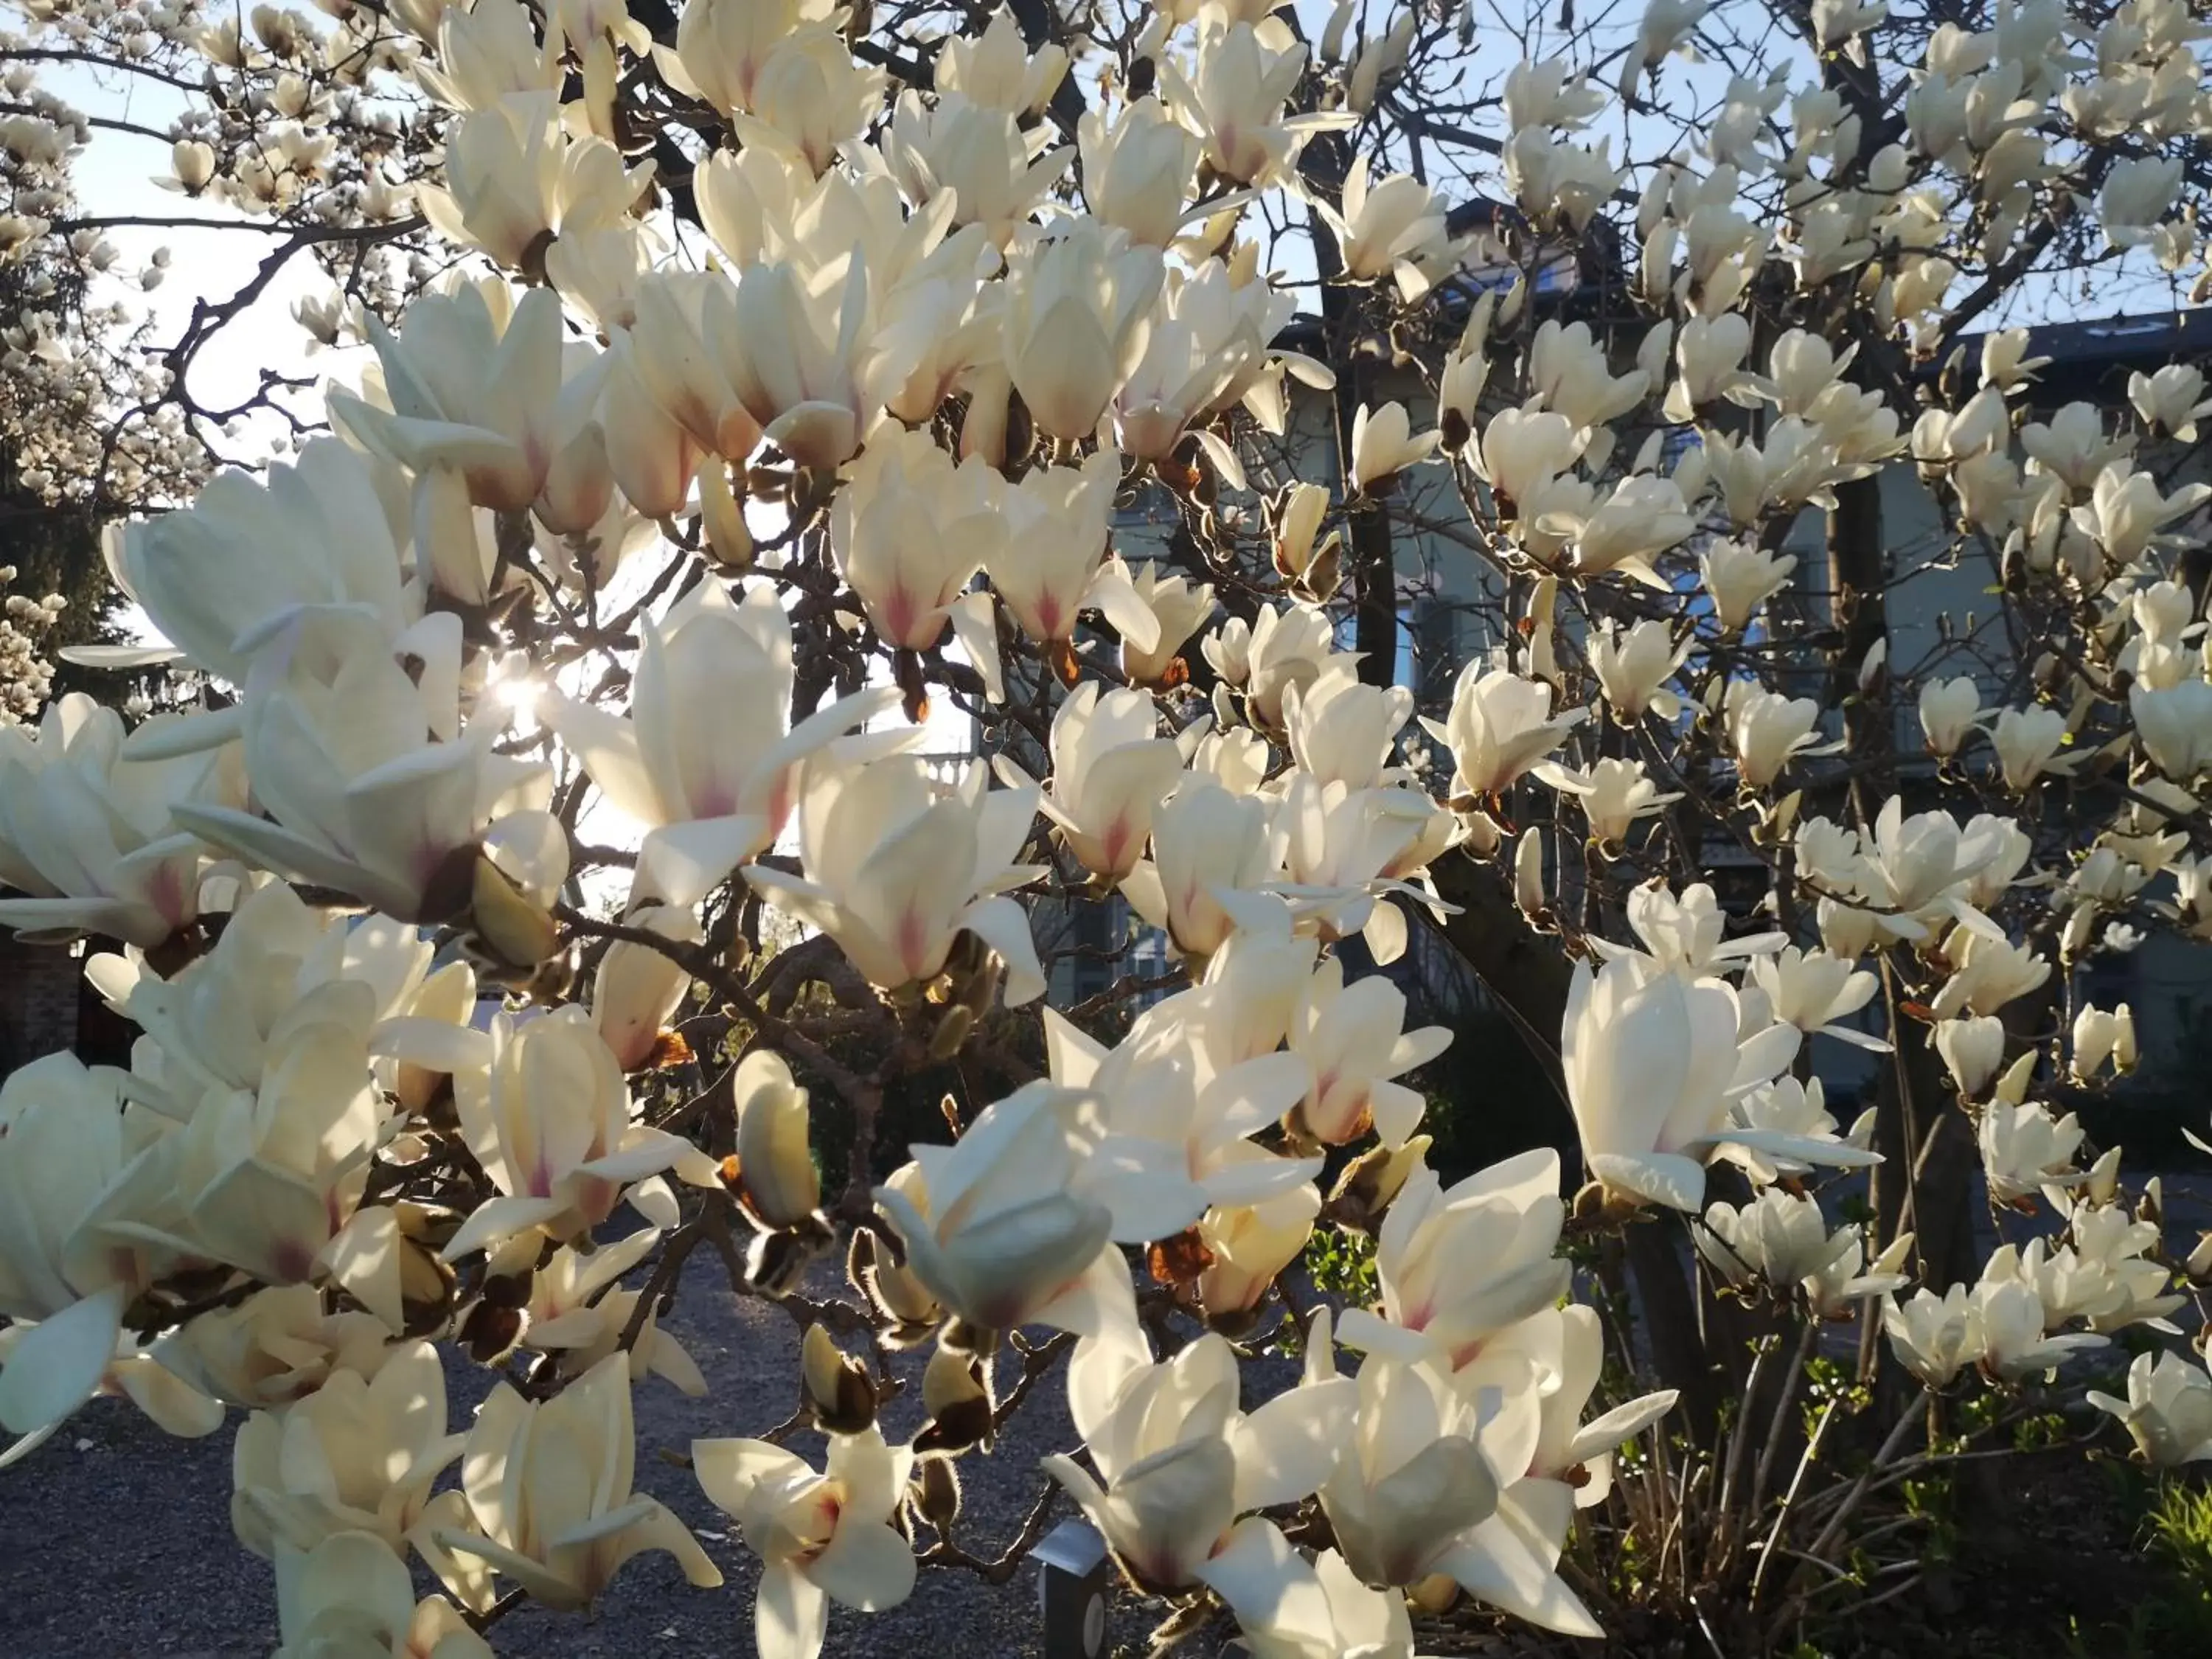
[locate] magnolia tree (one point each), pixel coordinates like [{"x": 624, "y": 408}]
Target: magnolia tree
[{"x": 545, "y": 871}]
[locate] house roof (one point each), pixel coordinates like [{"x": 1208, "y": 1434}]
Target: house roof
[{"x": 2160, "y": 337}]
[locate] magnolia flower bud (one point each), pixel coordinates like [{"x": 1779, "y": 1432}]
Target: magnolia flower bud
[
  {"x": 1529, "y": 873},
  {"x": 2150, "y": 1204},
  {"x": 516, "y": 929},
  {"x": 1434, "y": 1595},
  {"x": 837, "y": 1389},
  {"x": 776, "y": 1174},
  {"x": 193, "y": 161},
  {"x": 2102, "y": 1184},
  {"x": 1973, "y": 1050},
  {"x": 897, "y": 1296},
  {"x": 1372, "y": 1181},
  {"x": 776, "y": 1261},
  {"x": 1480, "y": 833},
  {"x": 935, "y": 1492},
  {"x": 1298, "y": 515},
  {"x": 723, "y": 516},
  {"x": 2012, "y": 1087},
  {"x": 2097, "y": 1037},
  {"x": 2080, "y": 926},
  {"x": 956, "y": 1392}
]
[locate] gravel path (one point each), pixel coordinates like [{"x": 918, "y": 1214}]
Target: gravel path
[{"x": 115, "y": 1540}]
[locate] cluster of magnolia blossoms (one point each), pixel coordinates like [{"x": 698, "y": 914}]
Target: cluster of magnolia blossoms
[
  {"x": 235, "y": 1236},
  {"x": 239, "y": 1228},
  {"x": 294, "y": 1061}
]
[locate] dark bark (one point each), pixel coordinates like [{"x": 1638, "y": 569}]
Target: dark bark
[{"x": 1371, "y": 565}]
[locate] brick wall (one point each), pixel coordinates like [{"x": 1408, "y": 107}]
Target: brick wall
[{"x": 38, "y": 999}]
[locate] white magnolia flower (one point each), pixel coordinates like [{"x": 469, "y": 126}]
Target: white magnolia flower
[
  {"x": 1639, "y": 519},
  {"x": 2101, "y": 1035},
  {"x": 976, "y": 152},
  {"x": 1353, "y": 1036},
  {"x": 2173, "y": 397},
  {"x": 2027, "y": 742},
  {"x": 997, "y": 1228},
  {"x": 636, "y": 989},
  {"x": 578, "y": 1311},
  {"x": 1739, "y": 577},
  {"x": 1177, "y": 1118},
  {"x": 1933, "y": 1337},
  {"x": 322, "y": 529},
  {"x": 547, "y": 1117},
  {"x": 1340, "y": 845},
  {"x": 67, "y": 1139},
  {"x": 895, "y": 866},
  {"x": 1815, "y": 991},
  {"x": 1915, "y": 866},
  {"x": 1458, "y": 1264},
  {"x": 1633, "y": 669},
  {"x": 2009, "y": 1328},
  {"x": 1987, "y": 972},
  {"x": 1248, "y": 1245},
  {"x": 1109, "y": 772},
  {"x": 1499, "y": 726},
  {"x": 515, "y": 180},
  {"x": 712, "y": 792},
  {"x": 1949, "y": 710},
  {"x": 2175, "y": 726},
  {"x": 1179, "y": 608},
  {"x": 2101, "y": 1274},
  {"x": 1213, "y": 854},
  {"x": 1394, "y": 228},
  {"x": 1287, "y": 1608},
  {"x": 350, "y": 1597},
  {"x": 1052, "y": 564},
  {"x": 2168, "y": 1410},
  {"x": 86, "y": 833},
  {"x": 1383, "y": 445},
  {"x": 354, "y": 747},
  {"x": 1783, "y": 1239},
  {"x": 1566, "y": 1347},
  {"x": 1234, "y": 94},
  {"x": 1137, "y": 168},
  {"x": 1340, "y": 730},
  {"x": 1435, "y": 1482},
  {"x": 1687, "y": 934},
  {"x": 1176, "y": 1459},
  {"x": 1414, "y": 1480},
  {"x": 358, "y": 1455},
  {"x": 546, "y": 1498},
  {"x": 1653, "y": 1062},
  {"x": 2023, "y": 1148},
  {"x": 270, "y": 1179},
  {"x": 473, "y": 385},
  {"x": 276, "y": 1346},
  {"x": 1769, "y": 729},
  {"x": 1973, "y": 1050},
  {"x": 1787, "y": 1107},
  {"x": 1614, "y": 793},
  {"x": 1077, "y": 320},
  {"x": 1280, "y": 648},
  {"x": 821, "y": 1537}
]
